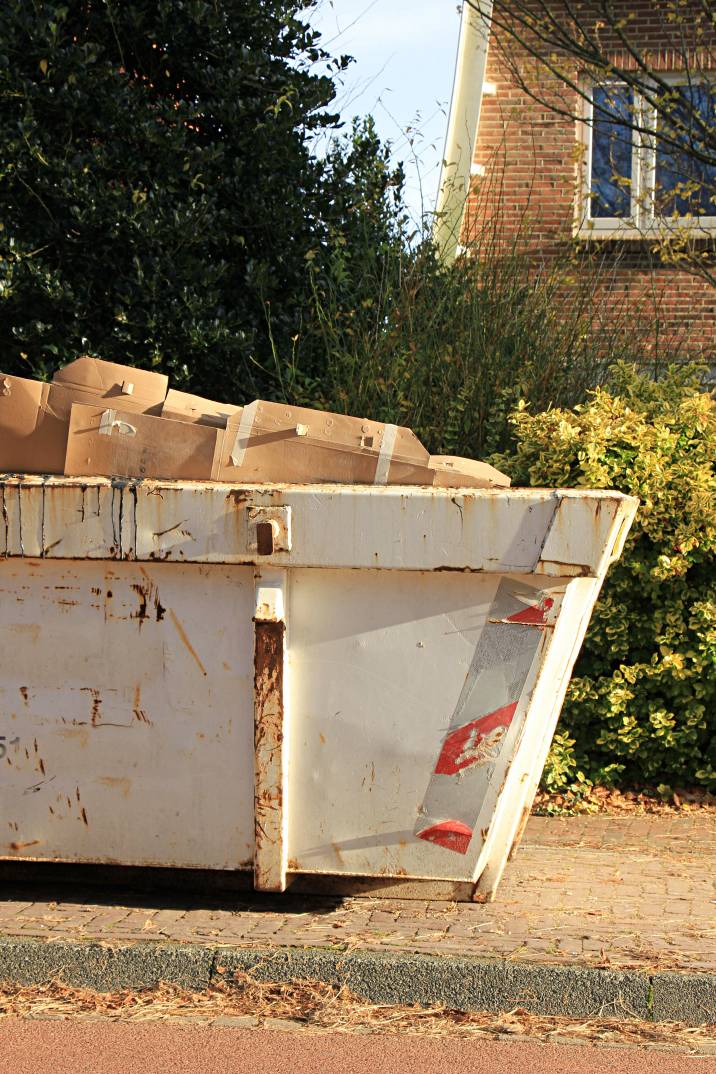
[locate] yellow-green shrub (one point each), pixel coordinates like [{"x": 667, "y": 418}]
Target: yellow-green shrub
[{"x": 641, "y": 708}]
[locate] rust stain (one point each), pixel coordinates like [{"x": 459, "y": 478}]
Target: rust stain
[
  {"x": 182, "y": 634},
  {"x": 41, "y": 765},
  {"x": 25, "y": 693},
  {"x": 84, "y": 817},
  {"x": 524, "y": 817},
  {"x": 137, "y": 710},
  {"x": 96, "y": 706},
  {"x": 120, "y": 783},
  {"x": 322, "y": 738},
  {"x": 459, "y": 570},
  {"x": 337, "y": 852},
  {"x": 148, "y": 599},
  {"x": 170, "y": 529},
  {"x": 268, "y": 740},
  {"x": 24, "y": 846}
]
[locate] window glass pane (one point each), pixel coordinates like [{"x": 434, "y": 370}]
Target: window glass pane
[
  {"x": 685, "y": 184},
  {"x": 610, "y": 178}
]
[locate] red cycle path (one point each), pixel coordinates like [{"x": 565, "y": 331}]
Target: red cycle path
[{"x": 106, "y": 1047}]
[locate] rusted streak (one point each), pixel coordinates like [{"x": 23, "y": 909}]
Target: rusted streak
[
  {"x": 524, "y": 817},
  {"x": 182, "y": 634},
  {"x": 24, "y": 846},
  {"x": 268, "y": 742},
  {"x": 96, "y": 707},
  {"x": 169, "y": 529}
]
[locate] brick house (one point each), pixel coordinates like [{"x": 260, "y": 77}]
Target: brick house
[{"x": 556, "y": 157}]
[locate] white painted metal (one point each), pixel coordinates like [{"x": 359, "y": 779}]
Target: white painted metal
[
  {"x": 145, "y": 717},
  {"x": 126, "y": 704}
]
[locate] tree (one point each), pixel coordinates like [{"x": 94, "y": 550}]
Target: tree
[
  {"x": 158, "y": 193},
  {"x": 652, "y": 117}
]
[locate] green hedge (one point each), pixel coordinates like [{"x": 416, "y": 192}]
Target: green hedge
[{"x": 641, "y": 708}]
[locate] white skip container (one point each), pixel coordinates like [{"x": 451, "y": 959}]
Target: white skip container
[{"x": 322, "y": 687}]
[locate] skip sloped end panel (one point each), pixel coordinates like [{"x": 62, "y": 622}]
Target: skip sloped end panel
[{"x": 409, "y": 695}]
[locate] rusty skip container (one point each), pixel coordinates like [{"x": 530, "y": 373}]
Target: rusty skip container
[{"x": 317, "y": 687}]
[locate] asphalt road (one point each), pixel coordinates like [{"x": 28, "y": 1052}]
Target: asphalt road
[{"x": 104, "y": 1047}]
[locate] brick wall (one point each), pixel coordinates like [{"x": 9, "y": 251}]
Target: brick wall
[{"x": 531, "y": 156}]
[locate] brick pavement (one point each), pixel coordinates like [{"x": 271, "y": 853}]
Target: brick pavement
[{"x": 602, "y": 891}]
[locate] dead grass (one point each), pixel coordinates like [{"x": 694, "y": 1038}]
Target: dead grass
[
  {"x": 331, "y": 1009},
  {"x": 609, "y": 800}
]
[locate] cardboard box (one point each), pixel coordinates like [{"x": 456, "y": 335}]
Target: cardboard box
[
  {"x": 34, "y": 416},
  {"x": 274, "y": 442},
  {"x": 182, "y": 406},
  {"x": 454, "y": 472},
  {"x": 33, "y": 438},
  {"x": 118, "y": 443},
  {"x": 90, "y": 380},
  {"x": 264, "y": 442}
]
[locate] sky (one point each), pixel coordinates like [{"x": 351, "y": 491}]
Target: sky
[{"x": 404, "y": 53}]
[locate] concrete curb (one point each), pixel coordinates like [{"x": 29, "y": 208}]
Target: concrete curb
[{"x": 459, "y": 983}]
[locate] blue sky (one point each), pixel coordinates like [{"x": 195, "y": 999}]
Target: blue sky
[{"x": 404, "y": 54}]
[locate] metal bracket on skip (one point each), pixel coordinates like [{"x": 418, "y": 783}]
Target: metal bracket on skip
[
  {"x": 270, "y": 732},
  {"x": 483, "y": 724}
]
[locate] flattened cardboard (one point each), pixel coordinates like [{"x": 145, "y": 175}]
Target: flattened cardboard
[
  {"x": 34, "y": 416},
  {"x": 33, "y": 425},
  {"x": 453, "y": 472},
  {"x": 91, "y": 380},
  {"x": 274, "y": 442},
  {"x": 182, "y": 406},
  {"x": 106, "y": 442}
]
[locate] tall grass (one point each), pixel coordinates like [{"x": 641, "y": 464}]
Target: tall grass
[{"x": 392, "y": 333}]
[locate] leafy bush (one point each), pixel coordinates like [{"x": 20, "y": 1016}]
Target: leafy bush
[
  {"x": 393, "y": 333},
  {"x": 641, "y": 708}
]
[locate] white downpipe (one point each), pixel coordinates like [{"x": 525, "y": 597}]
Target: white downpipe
[{"x": 462, "y": 125}]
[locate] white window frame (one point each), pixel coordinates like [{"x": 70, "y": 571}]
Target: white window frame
[{"x": 641, "y": 222}]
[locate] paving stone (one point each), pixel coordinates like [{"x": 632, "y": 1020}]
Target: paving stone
[{"x": 634, "y": 892}]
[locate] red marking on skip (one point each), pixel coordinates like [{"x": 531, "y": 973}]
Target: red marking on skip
[
  {"x": 450, "y": 834},
  {"x": 534, "y": 615},
  {"x": 470, "y": 743}
]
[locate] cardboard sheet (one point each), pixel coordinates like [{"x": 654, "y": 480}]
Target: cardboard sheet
[
  {"x": 117, "y": 443},
  {"x": 101, "y": 418}
]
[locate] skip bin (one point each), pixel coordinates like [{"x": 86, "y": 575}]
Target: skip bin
[{"x": 324, "y": 687}]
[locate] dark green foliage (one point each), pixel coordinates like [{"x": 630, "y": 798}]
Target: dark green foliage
[{"x": 157, "y": 188}]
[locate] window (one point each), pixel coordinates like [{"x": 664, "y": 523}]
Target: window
[{"x": 636, "y": 182}]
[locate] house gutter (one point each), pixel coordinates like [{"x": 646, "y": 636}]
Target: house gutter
[{"x": 468, "y": 85}]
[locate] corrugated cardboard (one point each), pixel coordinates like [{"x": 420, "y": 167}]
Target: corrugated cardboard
[
  {"x": 32, "y": 438},
  {"x": 34, "y": 416},
  {"x": 118, "y": 443},
  {"x": 273, "y": 442},
  {"x": 263, "y": 442},
  {"x": 182, "y": 406},
  {"x": 92, "y": 379},
  {"x": 454, "y": 472}
]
